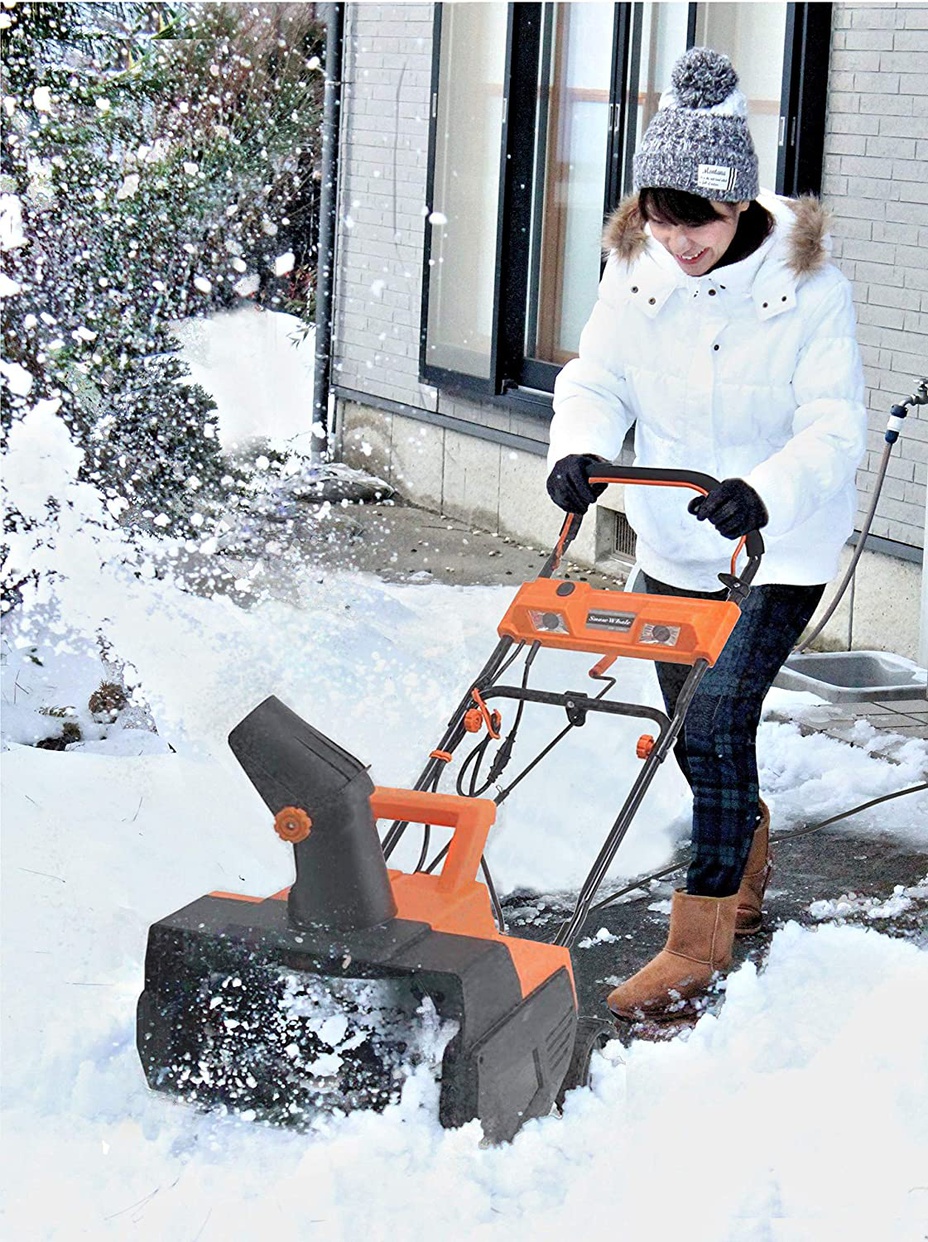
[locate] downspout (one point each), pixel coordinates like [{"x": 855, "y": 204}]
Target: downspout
[
  {"x": 328, "y": 225},
  {"x": 923, "y": 641}
]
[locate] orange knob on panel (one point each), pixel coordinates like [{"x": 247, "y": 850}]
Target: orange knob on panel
[
  {"x": 645, "y": 746},
  {"x": 292, "y": 824}
]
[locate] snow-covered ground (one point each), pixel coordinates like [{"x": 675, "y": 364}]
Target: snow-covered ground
[{"x": 799, "y": 1112}]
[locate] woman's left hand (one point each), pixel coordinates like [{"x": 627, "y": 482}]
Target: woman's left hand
[{"x": 733, "y": 508}]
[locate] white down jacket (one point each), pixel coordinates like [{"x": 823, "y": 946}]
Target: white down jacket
[{"x": 750, "y": 372}]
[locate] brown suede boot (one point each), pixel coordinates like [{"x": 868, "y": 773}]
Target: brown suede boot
[
  {"x": 699, "y": 943},
  {"x": 756, "y": 876}
]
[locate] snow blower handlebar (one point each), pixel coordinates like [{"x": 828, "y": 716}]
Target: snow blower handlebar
[
  {"x": 752, "y": 542},
  {"x": 738, "y": 588}
]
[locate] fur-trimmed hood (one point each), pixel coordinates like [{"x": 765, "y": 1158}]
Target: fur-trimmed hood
[{"x": 805, "y": 228}]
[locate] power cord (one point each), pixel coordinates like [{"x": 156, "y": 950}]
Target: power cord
[{"x": 782, "y": 839}]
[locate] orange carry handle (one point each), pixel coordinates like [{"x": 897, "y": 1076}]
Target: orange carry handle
[
  {"x": 471, "y": 819},
  {"x": 602, "y": 666}
]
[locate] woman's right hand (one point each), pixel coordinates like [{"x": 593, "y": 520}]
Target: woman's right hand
[
  {"x": 733, "y": 508},
  {"x": 569, "y": 483}
]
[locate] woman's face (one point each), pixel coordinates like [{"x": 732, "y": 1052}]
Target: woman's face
[{"x": 697, "y": 248}]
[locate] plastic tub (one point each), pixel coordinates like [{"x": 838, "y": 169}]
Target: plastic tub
[{"x": 854, "y": 676}]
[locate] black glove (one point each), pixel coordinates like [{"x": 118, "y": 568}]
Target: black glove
[
  {"x": 733, "y": 508},
  {"x": 569, "y": 483}
]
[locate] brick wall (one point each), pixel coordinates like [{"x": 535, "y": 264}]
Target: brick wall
[
  {"x": 384, "y": 158},
  {"x": 875, "y": 184}
]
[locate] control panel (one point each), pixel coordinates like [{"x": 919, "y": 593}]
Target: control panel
[{"x": 573, "y": 615}]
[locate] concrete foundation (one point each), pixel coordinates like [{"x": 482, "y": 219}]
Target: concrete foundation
[{"x": 493, "y": 487}]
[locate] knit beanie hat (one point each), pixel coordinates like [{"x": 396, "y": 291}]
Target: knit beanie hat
[{"x": 698, "y": 140}]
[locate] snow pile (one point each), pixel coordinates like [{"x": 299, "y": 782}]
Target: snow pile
[
  {"x": 64, "y": 527},
  {"x": 258, "y": 366},
  {"x": 64, "y": 554},
  {"x": 807, "y": 778},
  {"x": 850, "y": 905}
]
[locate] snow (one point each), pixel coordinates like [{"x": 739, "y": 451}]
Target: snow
[
  {"x": 256, "y": 367},
  {"x": 283, "y": 264},
  {"x": 42, "y": 99},
  {"x": 41, "y": 459},
  {"x": 799, "y": 1111},
  {"x": 850, "y": 904},
  {"x": 808, "y": 1088},
  {"x": 17, "y": 378},
  {"x": 603, "y": 936},
  {"x": 129, "y": 189},
  {"x": 11, "y": 222}
]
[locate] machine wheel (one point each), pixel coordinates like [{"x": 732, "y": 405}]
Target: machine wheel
[{"x": 592, "y": 1034}]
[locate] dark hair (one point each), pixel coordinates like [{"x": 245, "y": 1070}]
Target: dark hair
[{"x": 666, "y": 206}]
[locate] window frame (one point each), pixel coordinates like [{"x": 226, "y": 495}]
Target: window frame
[
  {"x": 524, "y": 383},
  {"x": 804, "y": 99}
]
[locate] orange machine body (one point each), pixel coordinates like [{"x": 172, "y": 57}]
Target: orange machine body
[
  {"x": 453, "y": 900},
  {"x": 573, "y": 615}
]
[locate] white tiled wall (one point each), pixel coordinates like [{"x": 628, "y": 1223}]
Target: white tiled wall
[{"x": 876, "y": 185}]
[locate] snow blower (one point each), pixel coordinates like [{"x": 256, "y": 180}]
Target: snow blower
[{"x": 324, "y": 997}]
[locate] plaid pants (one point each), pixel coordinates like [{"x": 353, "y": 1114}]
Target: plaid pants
[{"x": 716, "y": 750}]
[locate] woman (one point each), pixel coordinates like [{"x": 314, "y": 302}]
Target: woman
[{"x": 723, "y": 332}]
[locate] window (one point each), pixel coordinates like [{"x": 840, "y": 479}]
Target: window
[
  {"x": 537, "y": 110},
  {"x": 468, "y": 107},
  {"x": 755, "y": 41},
  {"x": 569, "y": 175}
]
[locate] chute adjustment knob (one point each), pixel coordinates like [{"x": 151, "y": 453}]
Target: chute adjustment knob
[
  {"x": 292, "y": 824},
  {"x": 645, "y": 746}
]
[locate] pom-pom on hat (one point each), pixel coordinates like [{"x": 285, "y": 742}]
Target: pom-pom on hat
[{"x": 698, "y": 140}]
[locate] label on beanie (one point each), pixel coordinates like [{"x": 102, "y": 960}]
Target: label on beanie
[{"x": 716, "y": 177}]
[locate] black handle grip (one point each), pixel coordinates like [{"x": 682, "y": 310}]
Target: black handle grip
[
  {"x": 606, "y": 473},
  {"x": 695, "y": 479}
]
